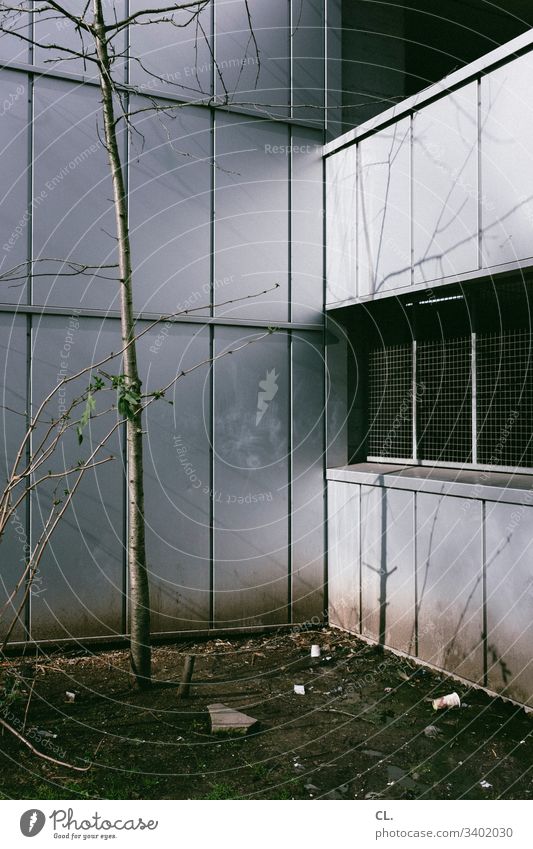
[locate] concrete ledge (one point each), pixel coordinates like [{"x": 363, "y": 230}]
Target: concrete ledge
[{"x": 506, "y": 487}]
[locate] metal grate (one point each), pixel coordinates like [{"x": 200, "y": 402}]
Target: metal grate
[
  {"x": 447, "y": 418},
  {"x": 444, "y": 400},
  {"x": 390, "y": 402},
  {"x": 505, "y": 398}
]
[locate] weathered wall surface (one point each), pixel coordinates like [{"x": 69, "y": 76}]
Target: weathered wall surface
[
  {"x": 223, "y": 204},
  {"x": 443, "y": 577}
]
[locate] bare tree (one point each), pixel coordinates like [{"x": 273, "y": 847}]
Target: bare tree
[
  {"x": 100, "y": 45},
  {"x": 30, "y": 470}
]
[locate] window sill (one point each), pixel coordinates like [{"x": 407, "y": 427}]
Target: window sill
[{"x": 509, "y": 487}]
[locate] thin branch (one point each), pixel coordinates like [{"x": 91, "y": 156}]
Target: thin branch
[
  {"x": 77, "y": 268},
  {"x": 82, "y": 24},
  {"x": 28, "y": 705},
  {"x": 254, "y": 40},
  {"x": 39, "y": 754},
  {"x": 162, "y": 10},
  {"x": 17, "y": 477},
  {"x": 153, "y": 396},
  {"x": 28, "y": 40},
  {"x": 30, "y": 568},
  {"x": 49, "y": 527}
]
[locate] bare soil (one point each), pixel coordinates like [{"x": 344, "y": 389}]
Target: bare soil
[{"x": 358, "y": 732}]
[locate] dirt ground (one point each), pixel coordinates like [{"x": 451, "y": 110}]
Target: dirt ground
[{"x": 360, "y": 730}]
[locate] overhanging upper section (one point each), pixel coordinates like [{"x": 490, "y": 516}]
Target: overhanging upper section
[{"x": 437, "y": 189}]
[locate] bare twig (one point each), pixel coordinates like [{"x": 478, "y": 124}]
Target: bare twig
[
  {"x": 76, "y": 269},
  {"x": 28, "y": 705},
  {"x": 39, "y": 754}
]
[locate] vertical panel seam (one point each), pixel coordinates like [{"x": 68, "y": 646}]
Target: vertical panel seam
[
  {"x": 473, "y": 378},
  {"x": 356, "y": 223},
  {"x": 360, "y": 554},
  {"x": 211, "y": 440},
  {"x": 290, "y": 469},
  {"x": 28, "y": 500},
  {"x": 213, "y": 50},
  {"x": 326, "y": 74},
  {"x": 290, "y": 464},
  {"x": 125, "y": 521},
  {"x": 414, "y": 402},
  {"x": 415, "y": 557},
  {"x": 411, "y": 199},
  {"x": 325, "y": 535},
  {"x": 479, "y": 181},
  {"x": 29, "y": 300},
  {"x": 484, "y": 592},
  {"x": 291, "y": 62},
  {"x": 289, "y": 225}
]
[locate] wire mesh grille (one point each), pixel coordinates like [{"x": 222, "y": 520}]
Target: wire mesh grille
[
  {"x": 505, "y": 398},
  {"x": 444, "y": 408},
  {"x": 390, "y": 402}
]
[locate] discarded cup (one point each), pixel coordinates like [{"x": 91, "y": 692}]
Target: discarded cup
[
  {"x": 315, "y": 651},
  {"x": 450, "y": 701},
  {"x": 299, "y": 689}
]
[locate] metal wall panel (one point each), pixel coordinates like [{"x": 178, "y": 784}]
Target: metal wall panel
[
  {"x": 82, "y": 570},
  {"x": 250, "y": 479},
  {"x": 507, "y": 162},
  {"x": 450, "y": 205},
  {"x": 72, "y": 191},
  {"x": 170, "y": 210},
  {"x": 307, "y": 224},
  {"x": 338, "y": 352},
  {"x": 334, "y": 67},
  {"x": 177, "y": 476},
  {"x": 308, "y": 519},
  {"x": 14, "y": 542},
  {"x": 449, "y": 583},
  {"x": 52, "y": 28},
  {"x": 509, "y": 600},
  {"x": 179, "y": 54},
  {"x": 445, "y": 186},
  {"x": 341, "y": 227},
  {"x": 246, "y": 76},
  {"x": 252, "y": 217},
  {"x": 388, "y": 596},
  {"x": 82, "y": 591},
  {"x": 343, "y": 555},
  {"x": 14, "y": 150},
  {"x": 13, "y": 49},
  {"x": 307, "y": 36},
  {"x": 384, "y": 221}
]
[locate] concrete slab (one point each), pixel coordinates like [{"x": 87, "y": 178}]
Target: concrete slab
[{"x": 225, "y": 720}]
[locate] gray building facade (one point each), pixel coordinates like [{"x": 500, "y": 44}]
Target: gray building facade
[
  {"x": 429, "y": 246},
  {"x": 224, "y": 203},
  {"x": 367, "y": 163}
]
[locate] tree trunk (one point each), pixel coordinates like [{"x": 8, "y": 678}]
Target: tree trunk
[{"x": 139, "y": 594}]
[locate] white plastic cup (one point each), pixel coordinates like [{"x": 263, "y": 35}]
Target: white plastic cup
[
  {"x": 315, "y": 651},
  {"x": 450, "y": 701}
]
